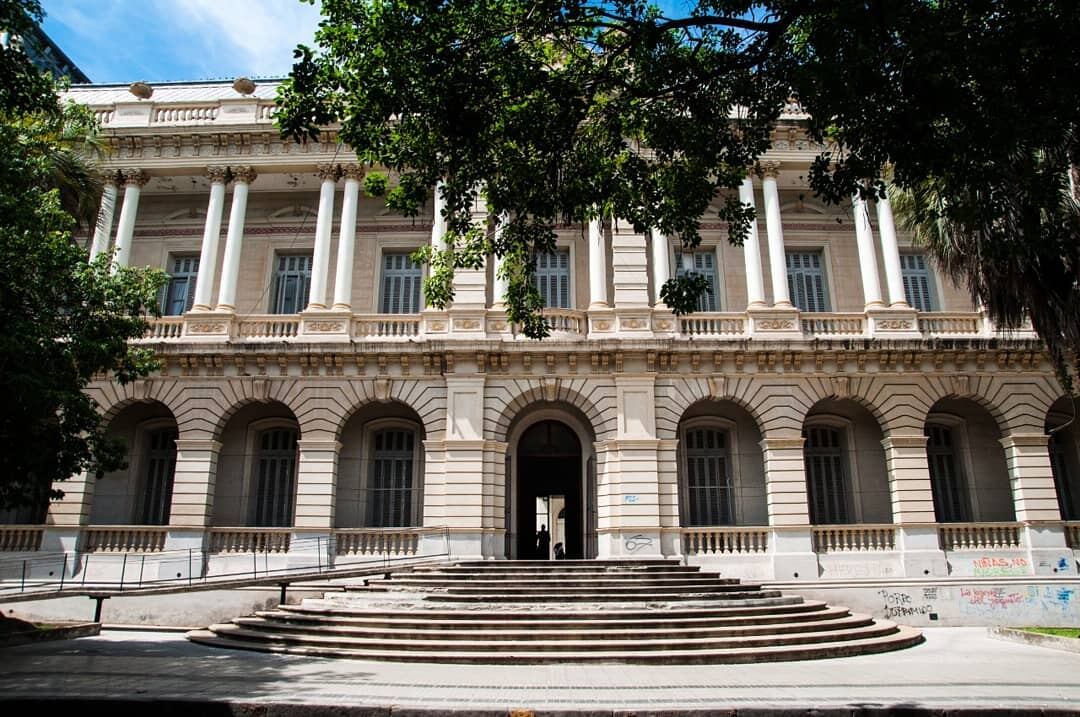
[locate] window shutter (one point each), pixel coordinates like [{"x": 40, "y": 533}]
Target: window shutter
[
  {"x": 806, "y": 281},
  {"x": 917, "y": 282},
  {"x": 553, "y": 278},
  {"x": 704, "y": 263},
  {"x": 292, "y": 284},
  {"x": 401, "y": 284}
]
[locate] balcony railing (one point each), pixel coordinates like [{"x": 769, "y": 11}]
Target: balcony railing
[
  {"x": 980, "y": 536},
  {"x": 124, "y": 538},
  {"x": 854, "y": 538},
  {"x": 20, "y": 538},
  {"x": 566, "y": 324},
  {"x": 725, "y": 540},
  {"x": 250, "y": 540},
  {"x": 378, "y": 541}
]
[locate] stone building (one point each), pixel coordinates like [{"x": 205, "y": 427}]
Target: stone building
[{"x": 835, "y": 410}]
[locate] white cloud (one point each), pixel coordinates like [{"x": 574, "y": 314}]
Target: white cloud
[{"x": 256, "y": 36}]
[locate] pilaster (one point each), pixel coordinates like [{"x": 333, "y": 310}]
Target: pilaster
[
  {"x": 193, "y": 483},
  {"x": 791, "y": 539},
  {"x": 630, "y": 261},
  {"x": 1036, "y": 505},
  {"x": 316, "y": 484}
]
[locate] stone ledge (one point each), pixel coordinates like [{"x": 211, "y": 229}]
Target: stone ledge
[
  {"x": 1069, "y": 644},
  {"x": 65, "y": 632}
]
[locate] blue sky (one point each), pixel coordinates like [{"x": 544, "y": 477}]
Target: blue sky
[{"x": 161, "y": 40}]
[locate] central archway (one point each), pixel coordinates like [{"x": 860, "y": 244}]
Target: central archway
[{"x": 551, "y": 481}]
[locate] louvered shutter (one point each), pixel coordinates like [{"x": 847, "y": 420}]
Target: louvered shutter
[
  {"x": 553, "y": 278},
  {"x": 806, "y": 280},
  {"x": 708, "y": 482},
  {"x": 705, "y": 264},
  {"x": 917, "y": 283},
  {"x": 178, "y": 295},
  {"x": 276, "y": 484},
  {"x": 158, "y": 479},
  {"x": 947, "y": 481},
  {"x": 826, "y": 477},
  {"x": 401, "y": 282},
  {"x": 392, "y": 479},
  {"x": 292, "y": 284}
]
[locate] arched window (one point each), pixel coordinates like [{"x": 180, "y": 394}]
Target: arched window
[
  {"x": 826, "y": 475},
  {"x": 709, "y": 498},
  {"x": 951, "y": 504},
  {"x": 157, "y": 484},
  {"x": 392, "y": 479},
  {"x": 275, "y": 477}
]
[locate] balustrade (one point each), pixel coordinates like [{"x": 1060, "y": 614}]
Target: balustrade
[
  {"x": 20, "y": 538},
  {"x": 723, "y": 540},
  {"x": 371, "y": 541},
  {"x": 1072, "y": 535},
  {"x": 250, "y": 540},
  {"x": 268, "y": 327},
  {"x": 817, "y": 324},
  {"x": 979, "y": 536},
  {"x": 854, "y": 538},
  {"x": 565, "y": 321},
  {"x": 711, "y": 324},
  {"x": 942, "y": 325},
  {"x": 165, "y": 327},
  {"x": 124, "y": 539},
  {"x": 384, "y": 326},
  {"x": 185, "y": 115}
]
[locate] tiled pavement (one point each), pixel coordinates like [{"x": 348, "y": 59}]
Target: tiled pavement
[{"x": 954, "y": 668}]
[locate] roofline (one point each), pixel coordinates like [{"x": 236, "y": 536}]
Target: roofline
[{"x": 168, "y": 83}]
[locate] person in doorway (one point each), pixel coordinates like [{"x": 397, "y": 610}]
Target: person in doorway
[
  {"x": 543, "y": 543},
  {"x": 560, "y": 551}
]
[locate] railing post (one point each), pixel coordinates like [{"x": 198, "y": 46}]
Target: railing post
[
  {"x": 22, "y": 581},
  {"x": 123, "y": 569},
  {"x": 254, "y": 564},
  {"x": 63, "y": 569},
  {"x": 142, "y": 567},
  {"x": 189, "y": 567}
]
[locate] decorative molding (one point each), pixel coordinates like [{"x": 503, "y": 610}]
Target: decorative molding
[
  {"x": 217, "y": 175},
  {"x": 776, "y": 324},
  {"x": 326, "y": 326},
  {"x": 216, "y": 327}
]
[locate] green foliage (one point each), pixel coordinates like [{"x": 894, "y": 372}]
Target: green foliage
[
  {"x": 558, "y": 112},
  {"x": 554, "y": 112},
  {"x": 23, "y": 89},
  {"x": 64, "y": 320}
]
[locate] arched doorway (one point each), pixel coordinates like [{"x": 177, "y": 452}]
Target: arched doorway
[{"x": 549, "y": 484}]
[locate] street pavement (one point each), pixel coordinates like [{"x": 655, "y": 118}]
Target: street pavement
[{"x": 955, "y": 669}]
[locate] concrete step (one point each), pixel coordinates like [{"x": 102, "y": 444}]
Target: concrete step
[
  {"x": 558, "y": 564},
  {"x": 551, "y": 586},
  {"x": 785, "y": 607},
  {"x": 282, "y": 623},
  {"x": 644, "y": 644},
  {"x": 457, "y": 595},
  {"x": 477, "y": 579},
  {"x": 902, "y": 638}
]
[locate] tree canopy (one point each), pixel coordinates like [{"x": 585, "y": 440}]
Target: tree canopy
[
  {"x": 64, "y": 319},
  {"x": 562, "y": 111}
]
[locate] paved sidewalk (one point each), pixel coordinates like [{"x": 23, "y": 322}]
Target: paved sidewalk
[{"x": 954, "y": 668}]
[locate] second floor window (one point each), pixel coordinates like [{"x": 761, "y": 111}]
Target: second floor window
[
  {"x": 180, "y": 290},
  {"x": 918, "y": 286},
  {"x": 553, "y": 278},
  {"x": 806, "y": 280},
  {"x": 705, "y": 264},
  {"x": 401, "y": 280},
  {"x": 292, "y": 283}
]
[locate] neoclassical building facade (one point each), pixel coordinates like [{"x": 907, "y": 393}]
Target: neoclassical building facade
[{"x": 836, "y": 409}]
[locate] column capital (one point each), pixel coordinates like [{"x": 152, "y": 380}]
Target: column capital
[
  {"x": 217, "y": 175},
  {"x": 767, "y": 169},
  {"x": 352, "y": 171},
  {"x": 135, "y": 177},
  {"x": 245, "y": 175},
  {"x": 329, "y": 172},
  {"x": 111, "y": 177}
]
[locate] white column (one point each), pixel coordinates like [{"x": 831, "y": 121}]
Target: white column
[
  {"x": 347, "y": 238},
  {"x": 773, "y": 227},
  {"x": 864, "y": 238},
  {"x": 234, "y": 239},
  {"x": 204, "y": 284},
  {"x": 134, "y": 180},
  {"x": 891, "y": 254},
  {"x": 320, "y": 262},
  {"x": 661, "y": 264},
  {"x": 438, "y": 226},
  {"x": 498, "y": 289},
  {"x": 103, "y": 228},
  {"x": 755, "y": 282},
  {"x": 597, "y": 266}
]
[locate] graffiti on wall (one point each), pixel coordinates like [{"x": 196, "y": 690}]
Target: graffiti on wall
[
  {"x": 997, "y": 567},
  {"x": 1050, "y": 600}
]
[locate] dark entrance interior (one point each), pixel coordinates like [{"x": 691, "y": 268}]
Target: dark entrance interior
[{"x": 549, "y": 465}]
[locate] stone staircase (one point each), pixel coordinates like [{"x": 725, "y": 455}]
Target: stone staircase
[{"x": 522, "y": 612}]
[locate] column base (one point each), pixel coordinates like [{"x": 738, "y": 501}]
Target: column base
[
  {"x": 467, "y": 323},
  {"x": 324, "y": 325},
  {"x": 601, "y": 321},
  {"x": 921, "y": 552},
  {"x": 778, "y": 323},
  {"x": 1048, "y": 551},
  {"x": 633, "y": 323},
  {"x": 893, "y": 322},
  {"x": 793, "y": 556},
  {"x": 208, "y": 326},
  {"x": 623, "y": 543}
]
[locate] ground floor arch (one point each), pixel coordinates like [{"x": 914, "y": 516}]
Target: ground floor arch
[
  {"x": 140, "y": 493},
  {"x": 550, "y": 474},
  {"x": 1063, "y": 429}
]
